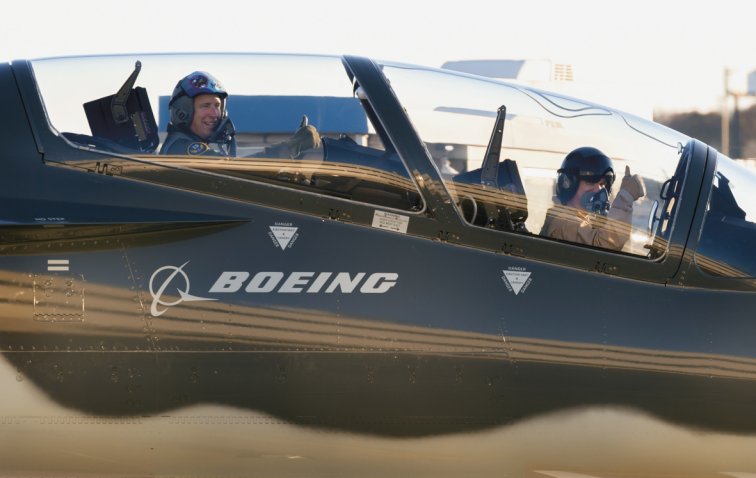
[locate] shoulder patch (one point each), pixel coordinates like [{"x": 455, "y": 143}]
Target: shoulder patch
[{"x": 197, "y": 148}]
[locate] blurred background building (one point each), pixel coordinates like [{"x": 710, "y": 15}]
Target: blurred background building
[{"x": 731, "y": 130}]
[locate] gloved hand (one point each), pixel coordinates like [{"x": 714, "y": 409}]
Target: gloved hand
[
  {"x": 633, "y": 184},
  {"x": 306, "y": 137}
]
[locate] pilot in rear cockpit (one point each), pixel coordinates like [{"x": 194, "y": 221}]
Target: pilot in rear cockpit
[
  {"x": 200, "y": 124},
  {"x": 582, "y": 212}
]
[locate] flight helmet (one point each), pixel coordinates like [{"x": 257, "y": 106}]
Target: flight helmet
[
  {"x": 182, "y": 100},
  {"x": 587, "y": 164}
]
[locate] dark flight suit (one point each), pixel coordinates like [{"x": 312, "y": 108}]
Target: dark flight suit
[{"x": 183, "y": 143}]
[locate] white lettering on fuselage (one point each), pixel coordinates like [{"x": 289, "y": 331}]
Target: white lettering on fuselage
[
  {"x": 172, "y": 280},
  {"x": 307, "y": 282}
]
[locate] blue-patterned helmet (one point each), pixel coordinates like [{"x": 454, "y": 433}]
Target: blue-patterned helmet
[{"x": 193, "y": 84}]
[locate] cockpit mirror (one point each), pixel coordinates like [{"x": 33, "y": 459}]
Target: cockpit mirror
[{"x": 652, "y": 219}]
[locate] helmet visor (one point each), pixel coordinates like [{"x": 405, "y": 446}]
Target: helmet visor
[{"x": 590, "y": 177}]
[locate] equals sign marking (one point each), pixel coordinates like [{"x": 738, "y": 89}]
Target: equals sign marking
[{"x": 57, "y": 264}]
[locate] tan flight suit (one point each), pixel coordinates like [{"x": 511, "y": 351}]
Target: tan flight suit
[{"x": 610, "y": 232}]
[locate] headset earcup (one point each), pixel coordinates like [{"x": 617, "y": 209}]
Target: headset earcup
[
  {"x": 181, "y": 111},
  {"x": 566, "y": 186}
]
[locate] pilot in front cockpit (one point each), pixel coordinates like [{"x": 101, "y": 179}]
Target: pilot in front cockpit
[
  {"x": 200, "y": 124},
  {"x": 582, "y": 213}
]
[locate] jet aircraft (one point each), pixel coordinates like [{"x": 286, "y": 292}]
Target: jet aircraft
[{"x": 381, "y": 305}]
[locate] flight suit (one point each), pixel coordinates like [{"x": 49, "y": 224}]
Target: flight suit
[
  {"x": 610, "y": 232},
  {"x": 186, "y": 143},
  {"x": 182, "y": 142}
]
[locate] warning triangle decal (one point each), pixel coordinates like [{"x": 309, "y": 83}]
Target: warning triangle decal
[
  {"x": 283, "y": 234},
  {"x": 516, "y": 279}
]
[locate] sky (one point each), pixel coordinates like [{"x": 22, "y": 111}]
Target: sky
[{"x": 664, "y": 55}]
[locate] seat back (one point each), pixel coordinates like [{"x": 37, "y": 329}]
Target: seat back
[{"x": 504, "y": 206}]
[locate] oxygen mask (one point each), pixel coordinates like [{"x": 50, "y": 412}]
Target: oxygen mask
[{"x": 596, "y": 202}]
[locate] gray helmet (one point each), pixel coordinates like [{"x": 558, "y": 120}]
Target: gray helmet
[{"x": 193, "y": 84}]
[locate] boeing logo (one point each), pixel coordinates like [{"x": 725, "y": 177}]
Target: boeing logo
[
  {"x": 174, "y": 278},
  {"x": 182, "y": 289}
]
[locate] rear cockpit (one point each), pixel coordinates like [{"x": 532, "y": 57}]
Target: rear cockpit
[{"x": 454, "y": 115}]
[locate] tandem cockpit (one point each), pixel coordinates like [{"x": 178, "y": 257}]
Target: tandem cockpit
[{"x": 412, "y": 141}]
